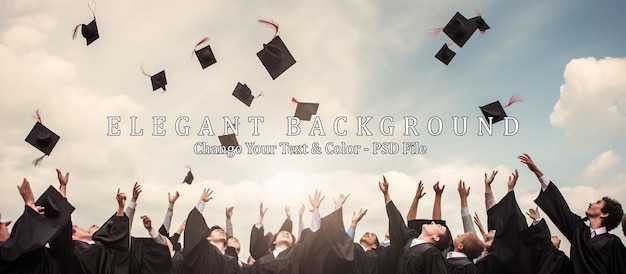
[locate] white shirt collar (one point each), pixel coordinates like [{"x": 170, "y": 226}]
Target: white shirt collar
[
  {"x": 598, "y": 231},
  {"x": 454, "y": 254},
  {"x": 277, "y": 251},
  {"x": 417, "y": 241}
]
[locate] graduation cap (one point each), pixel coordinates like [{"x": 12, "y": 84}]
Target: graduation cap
[
  {"x": 496, "y": 110},
  {"x": 42, "y": 138},
  {"x": 243, "y": 93},
  {"x": 275, "y": 56},
  {"x": 56, "y": 208},
  {"x": 205, "y": 55},
  {"x": 459, "y": 29},
  {"x": 158, "y": 81},
  {"x": 189, "y": 178},
  {"x": 479, "y": 23},
  {"x": 89, "y": 31},
  {"x": 304, "y": 111},
  {"x": 228, "y": 140},
  {"x": 445, "y": 54}
]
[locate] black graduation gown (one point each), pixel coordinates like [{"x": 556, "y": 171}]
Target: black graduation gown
[
  {"x": 508, "y": 220},
  {"x": 178, "y": 263},
  {"x": 108, "y": 254},
  {"x": 604, "y": 253},
  {"x": 461, "y": 266},
  {"x": 545, "y": 258},
  {"x": 202, "y": 257},
  {"x": 310, "y": 255},
  {"x": 259, "y": 246},
  {"x": 25, "y": 251},
  {"x": 421, "y": 258},
  {"x": 417, "y": 226},
  {"x": 148, "y": 257}
]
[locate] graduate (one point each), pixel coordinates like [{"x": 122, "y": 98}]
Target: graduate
[
  {"x": 262, "y": 243},
  {"x": 545, "y": 256},
  {"x": 593, "y": 248},
  {"x": 23, "y": 250},
  {"x": 418, "y": 253},
  {"x": 150, "y": 255}
]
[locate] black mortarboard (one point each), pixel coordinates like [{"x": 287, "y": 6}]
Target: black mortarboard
[
  {"x": 159, "y": 81},
  {"x": 479, "y": 23},
  {"x": 459, "y": 29},
  {"x": 228, "y": 140},
  {"x": 56, "y": 208},
  {"x": 89, "y": 31},
  {"x": 189, "y": 178},
  {"x": 205, "y": 56},
  {"x": 243, "y": 93},
  {"x": 304, "y": 111},
  {"x": 276, "y": 57},
  {"x": 42, "y": 138},
  {"x": 494, "y": 110},
  {"x": 445, "y": 54}
]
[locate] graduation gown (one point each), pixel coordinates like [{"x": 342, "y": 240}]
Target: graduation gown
[
  {"x": 545, "y": 258},
  {"x": 604, "y": 253},
  {"x": 25, "y": 251},
  {"x": 421, "y": 258},
  {"x": 108, "y": 253},
  {"x": 202, "y": 257},
  {"x": 417, "y": 226},
  {"x": 259, "y": 246},
  {"x": 461, "y": 266},
  {"x": 148, "y": 257}
]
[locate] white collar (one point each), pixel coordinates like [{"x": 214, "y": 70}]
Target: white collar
[
  {"x": 417, "y": 241},
  {"x": 598, "y": 231},
  {"x": 455, "y": 254},
  {"x": 277, "y": 251}
]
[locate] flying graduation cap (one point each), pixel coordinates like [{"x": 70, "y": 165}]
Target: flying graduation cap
[
  {"x": 41, "y": 138},
  {"x": 189, "y": 178},
  {"x": 479, "y": 22},
  {"x": 304, "y": 111},
  {"x": 445, "y": 54},
  {"x": 275, "y": 56},
  {"x": 205, "y": 55},
  {"x": 243, "y": 93},
  {"x": 158, "y": 80},
  {"x": 89, "y": 31},
  {"x": 229, "y": 140},
  {"x": 459, "y": 29},
  {"x": 495, "y": 110}
]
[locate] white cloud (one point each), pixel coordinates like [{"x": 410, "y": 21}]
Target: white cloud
[
  {"x": 592, "y": 103},
  {"x": 600, "y": 165}
]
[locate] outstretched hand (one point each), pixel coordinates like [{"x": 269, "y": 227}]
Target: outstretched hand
[
  {"x": 136, "y": 191},
  {"x": 172, "y": 198},
  {"x": 438, "y": 190},
  {"x": 229, "y": 212},
  {"x": 356, "y": 217},
  {"x": 340, "y": 201},
  {"x": 384, "y": 186},
  {"x": 420, "y": 191},
  {"x": 206, "y": 195},
  {"x": 513, "y": 180},
  {"x": 463, "y": 192},
  {"x": 316, "y": 201},
  {"x": 63, "y": 179},
  {"x": 301, "y": 211},
  {"x": 262, "y": 210},
  {"x": 533, "y": 213},
  {"x": 121, "y": 198},
  {"x": 27, "y": 193},
  {"x": 489, "y": 180},
  {"x": 288, "y": 212},
  {"x": 147, "y": 222}
]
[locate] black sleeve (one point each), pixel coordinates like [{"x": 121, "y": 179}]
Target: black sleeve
[
  {"x": 196, "y": 231},
  {"x": 149, "y": 257},
  {"x": 286, "y": 226},
  {"x": 258, "y": 244},
  {"x": 62, "y": 246},
  {"x": 399, "y": 233},
  {"x": 30, "y": 232},
  {"x": 551, "y": 201},
  {"x": 508, "y": 220}
]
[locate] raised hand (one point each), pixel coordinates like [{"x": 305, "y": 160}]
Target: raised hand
[
  {"x": 63, "y": 179},
  {"x": 206, "y": 195},
  {"x": 463, "y": 192},
  {"x": 262, "y": 211},
  {"x": 356, "y": 217},
  {"x": 340, "y": 201},
  {"x": 489, "y": 180},
  {"x": 384, "y": 186},
  {"x": 136, "y": 191},
  {"x": 288, "y": 212},
  {"x": 438, "y": 190},
  {"x": 479, "y": 224},
  {"x": 147, "y": 222},
  {"x": 229, "y": 212},
  {"x": 525, "y": 159},
  {"x": 301, "y": 211},
  {"x": 534, "y": 213},
  {"x": 513, "y": 180},
  {"x": 172, "y": 198},
  {"x": 27, "y": 193},
  {"x": 121, "y": 200},
  {"x": 420, "y": 191},
  {"x": 316, "y": 201}
]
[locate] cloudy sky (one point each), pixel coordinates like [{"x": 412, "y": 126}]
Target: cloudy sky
[{"x": 354, "y": 58}]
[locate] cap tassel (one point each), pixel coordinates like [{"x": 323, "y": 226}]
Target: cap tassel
[
  {"x": 514, "y": 99},
  {"x": 294, "y": 100},
  {"x": 480, "y": 14},
  {"x": 271, "y": 24},
  {"x": 259, "y": 95},
  {"x": 75, "y": 31},
  {"x": 201, "y": 41},
  {"x": 93, "y": 10},
  {"x": 143, "y": 70},
  {"x": 37, "y": 161},
  {"x": 434, "y": 32},
  {"x": 37, "y": 116}
]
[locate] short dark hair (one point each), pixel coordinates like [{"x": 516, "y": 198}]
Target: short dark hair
[
  {"x": 273, "y": 243},
  {"x": 624, "y": 224},
  {"x": 615, "y": 211},
  {"x": 472, "y": 246},
  {"x": 445, "y": 240}
]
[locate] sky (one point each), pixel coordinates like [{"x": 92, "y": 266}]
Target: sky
[{"x": 356, "y": 59}]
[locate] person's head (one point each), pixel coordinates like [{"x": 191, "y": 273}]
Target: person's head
[
  {"x": 437, "y": 235},
  {"x": 369, "y": 240},
  {"x": 79, "y": 233},
  {"x": 608, "y": 210},
  {"x": 234, "y": 243},
  {"x": 4, "y": 230},
  {"x": 556, "y": 241},
  {"x": 216, "y": 235},
  {"x": 469, "y": 244},
  {"x": 283, "y": 239}
]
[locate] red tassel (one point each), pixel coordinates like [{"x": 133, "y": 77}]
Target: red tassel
[
  {"x": 201, "y": 41},
  {"x": 514, "y": 99},
  {"x": 188, "y": 166},
  {"x": 478, "y": 13},
  {"x": 434, "y": 32},
  {"x": 93, "y": 10},
  {"x": 143, "y": 70},
  {"x": 75, "y": 31},
  {"x": 294, "y": 100},
  {"x": 272, "y": 24},
  {"x": 260, "y": 94},
  {"x": 37, "y": 161},
  {"x": 38, "y": 116}
]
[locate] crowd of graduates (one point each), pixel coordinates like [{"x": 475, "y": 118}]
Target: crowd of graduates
[{"x": 44, "y": 240}]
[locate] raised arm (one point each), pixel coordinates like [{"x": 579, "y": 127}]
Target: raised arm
[
  {"x": 437, "y": 205},
  {"x": 412, "y": 215},
  {"x": 63, "y": 182},
  {"x": 258, "y": 244},
  {"x": 167, "y": 221},
  {"x": 356, "y": 218},
  {"x": 300, "y": 221},
  {"x": 130, "y": 210},
  {"x": 316, "y": 201},
  {"x": 466, "y": 217},
  {"x": 490, "y": 201},
  {"x": 512, "y": 181},
  {"x": 229, "y": 223},
  {"x": 154, "y": 234},
  {"x": 487, "y": 237},
  {"x": 399, "y": 233},
  {"x": 121, "y": 200}
]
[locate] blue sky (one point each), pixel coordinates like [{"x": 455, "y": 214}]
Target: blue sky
[{"x": 356, "y": 59}]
